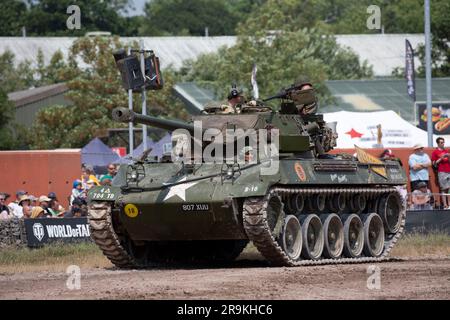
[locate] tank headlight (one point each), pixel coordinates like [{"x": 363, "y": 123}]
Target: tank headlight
[
  {"x": 230, "y": 173},
  {"x": 133, "y": 175}
]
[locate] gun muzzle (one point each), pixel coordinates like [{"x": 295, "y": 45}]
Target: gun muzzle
[{"x": 123, "y": 115}]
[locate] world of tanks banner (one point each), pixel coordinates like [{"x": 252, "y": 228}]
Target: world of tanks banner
[
  {"x": 43, "y": 231},
  {"x": 440, "y": 117}
]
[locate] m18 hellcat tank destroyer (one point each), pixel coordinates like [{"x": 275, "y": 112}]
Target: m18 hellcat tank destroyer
[{"x": 298, "y": 206}]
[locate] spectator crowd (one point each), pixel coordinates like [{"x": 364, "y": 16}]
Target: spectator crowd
[{"x": 48, "y": 206}]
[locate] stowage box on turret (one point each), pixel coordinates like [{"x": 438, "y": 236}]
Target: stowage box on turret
[{"x": 298, "y": 205}]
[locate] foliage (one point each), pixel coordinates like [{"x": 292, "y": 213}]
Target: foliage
[
  {"x": 6, "y": 115},
  {"x": 281, "y": 56},
  {"x": 400, "y": 16},
  {"x": 48, "y": 17},
  {"x": 12, "y": 14},
  {"x": 188, "y": 17},
  {"x": 12, "y": 77},
  {"x": 440, "y": 29},
  {"x": 24, "y": 76},
  {"x": 94, "y": 90}
]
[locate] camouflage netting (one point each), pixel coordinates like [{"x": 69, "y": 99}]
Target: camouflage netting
[{"x": 12, "y": 233}]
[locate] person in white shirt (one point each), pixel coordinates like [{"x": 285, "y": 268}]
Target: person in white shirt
[{"x": 16, "y": 209}]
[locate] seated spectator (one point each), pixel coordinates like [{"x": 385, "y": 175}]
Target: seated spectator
[
  {"x": 76, "y": 211},
  {"x": 44, "y": 203},
  {"x": 112, "y": 170},
  {"x": 33, "y": 201},
  {"x": 54, "y": 209},
  {"x": 89, "y": 185},
  {"x": 52, "y": 196},
  {"x": 106, "y": 180},
  {"x": 421, "y": 197},
  {"x": 15, "y": 209},
  {"x": 25, "y": 203},
  {"x": 87, "y": 173},
  {"x": 5, "y": 212},
  {"x": 77, "y": 191},
  {"x": 37, "y": 212}
]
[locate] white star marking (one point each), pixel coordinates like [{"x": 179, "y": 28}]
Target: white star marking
[{"x": 180, "y": 189}]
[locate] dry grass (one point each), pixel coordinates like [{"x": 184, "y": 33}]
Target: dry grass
[
  {"x": 420, "y": 245},
  {"x": 54, "y": 258}
]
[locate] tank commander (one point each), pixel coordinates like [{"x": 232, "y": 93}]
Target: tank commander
[{"x": 234, "y": 103}]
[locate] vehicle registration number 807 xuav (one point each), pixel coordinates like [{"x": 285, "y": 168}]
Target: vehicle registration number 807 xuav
[{"x": 195, "y": 207}]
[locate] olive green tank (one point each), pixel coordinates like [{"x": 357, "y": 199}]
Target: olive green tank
[{"x": 295, "y": 202}]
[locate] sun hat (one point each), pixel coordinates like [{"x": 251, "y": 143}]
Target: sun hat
[
  {"x": 44, "y": 199},
  {"x": 35, "y": 212}
]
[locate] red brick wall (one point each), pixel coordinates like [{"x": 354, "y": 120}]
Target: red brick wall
[{"x": 40, "y": 172}]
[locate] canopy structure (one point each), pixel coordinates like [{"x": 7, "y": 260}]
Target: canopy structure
[
  {"x": 382, "y": 129},
  {"x": 96, "y": 153}
]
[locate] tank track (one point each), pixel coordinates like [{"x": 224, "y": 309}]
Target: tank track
[
  {"x": 104, "y": 235},
  {"x": 257, "y": 227}
]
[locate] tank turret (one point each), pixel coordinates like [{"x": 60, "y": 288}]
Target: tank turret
[{"x": 298, "y": 134}]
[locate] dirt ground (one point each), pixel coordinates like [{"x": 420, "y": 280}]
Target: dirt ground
[{"x": 407, "y": 279}]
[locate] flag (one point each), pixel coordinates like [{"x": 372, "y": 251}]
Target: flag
[
  {"x": 409, "y": 71},
  {"x": 254, "y": 83},
  {"x": 375, "y": 164}
]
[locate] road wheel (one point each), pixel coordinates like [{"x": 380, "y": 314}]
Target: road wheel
[
  {"x": 353, "y": 236},
  {"x": 373, "y": 235},
  {"x": 333, "y": 232},
  {"x": 313, "y": 239},
  {"x": 291, "y": 237}
]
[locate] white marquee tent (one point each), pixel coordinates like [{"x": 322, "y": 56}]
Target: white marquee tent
[{"x": 360, "y": 128}]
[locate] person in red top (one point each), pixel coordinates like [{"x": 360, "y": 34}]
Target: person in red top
[{"x": 440, "y": 159}]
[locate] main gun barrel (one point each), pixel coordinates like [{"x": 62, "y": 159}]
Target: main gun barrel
[{"x": 126, "y": 115}]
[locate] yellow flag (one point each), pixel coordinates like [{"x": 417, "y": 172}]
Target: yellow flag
[{"x": 364, "y": 157}]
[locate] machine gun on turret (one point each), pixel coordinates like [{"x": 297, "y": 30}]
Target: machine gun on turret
[
  {"x": 301, "y": 96},
  {"x": 285, "y": 93}
]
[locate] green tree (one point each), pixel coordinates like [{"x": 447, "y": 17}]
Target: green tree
[
  {"x": 12, "y": 14},
  {"x": 25, "y": 75},
  {"x": 282, "y": 54},
  {"x": 12, "y": 77},
  {"x": 440, "y": 29},
  {"x": 188, "y": 17},
  {"x": 54, "y": 72},
  {"x": 94, "y": 90},
  {"x": 6, "y": 115},
  {"x": 48, "y": 17}
]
